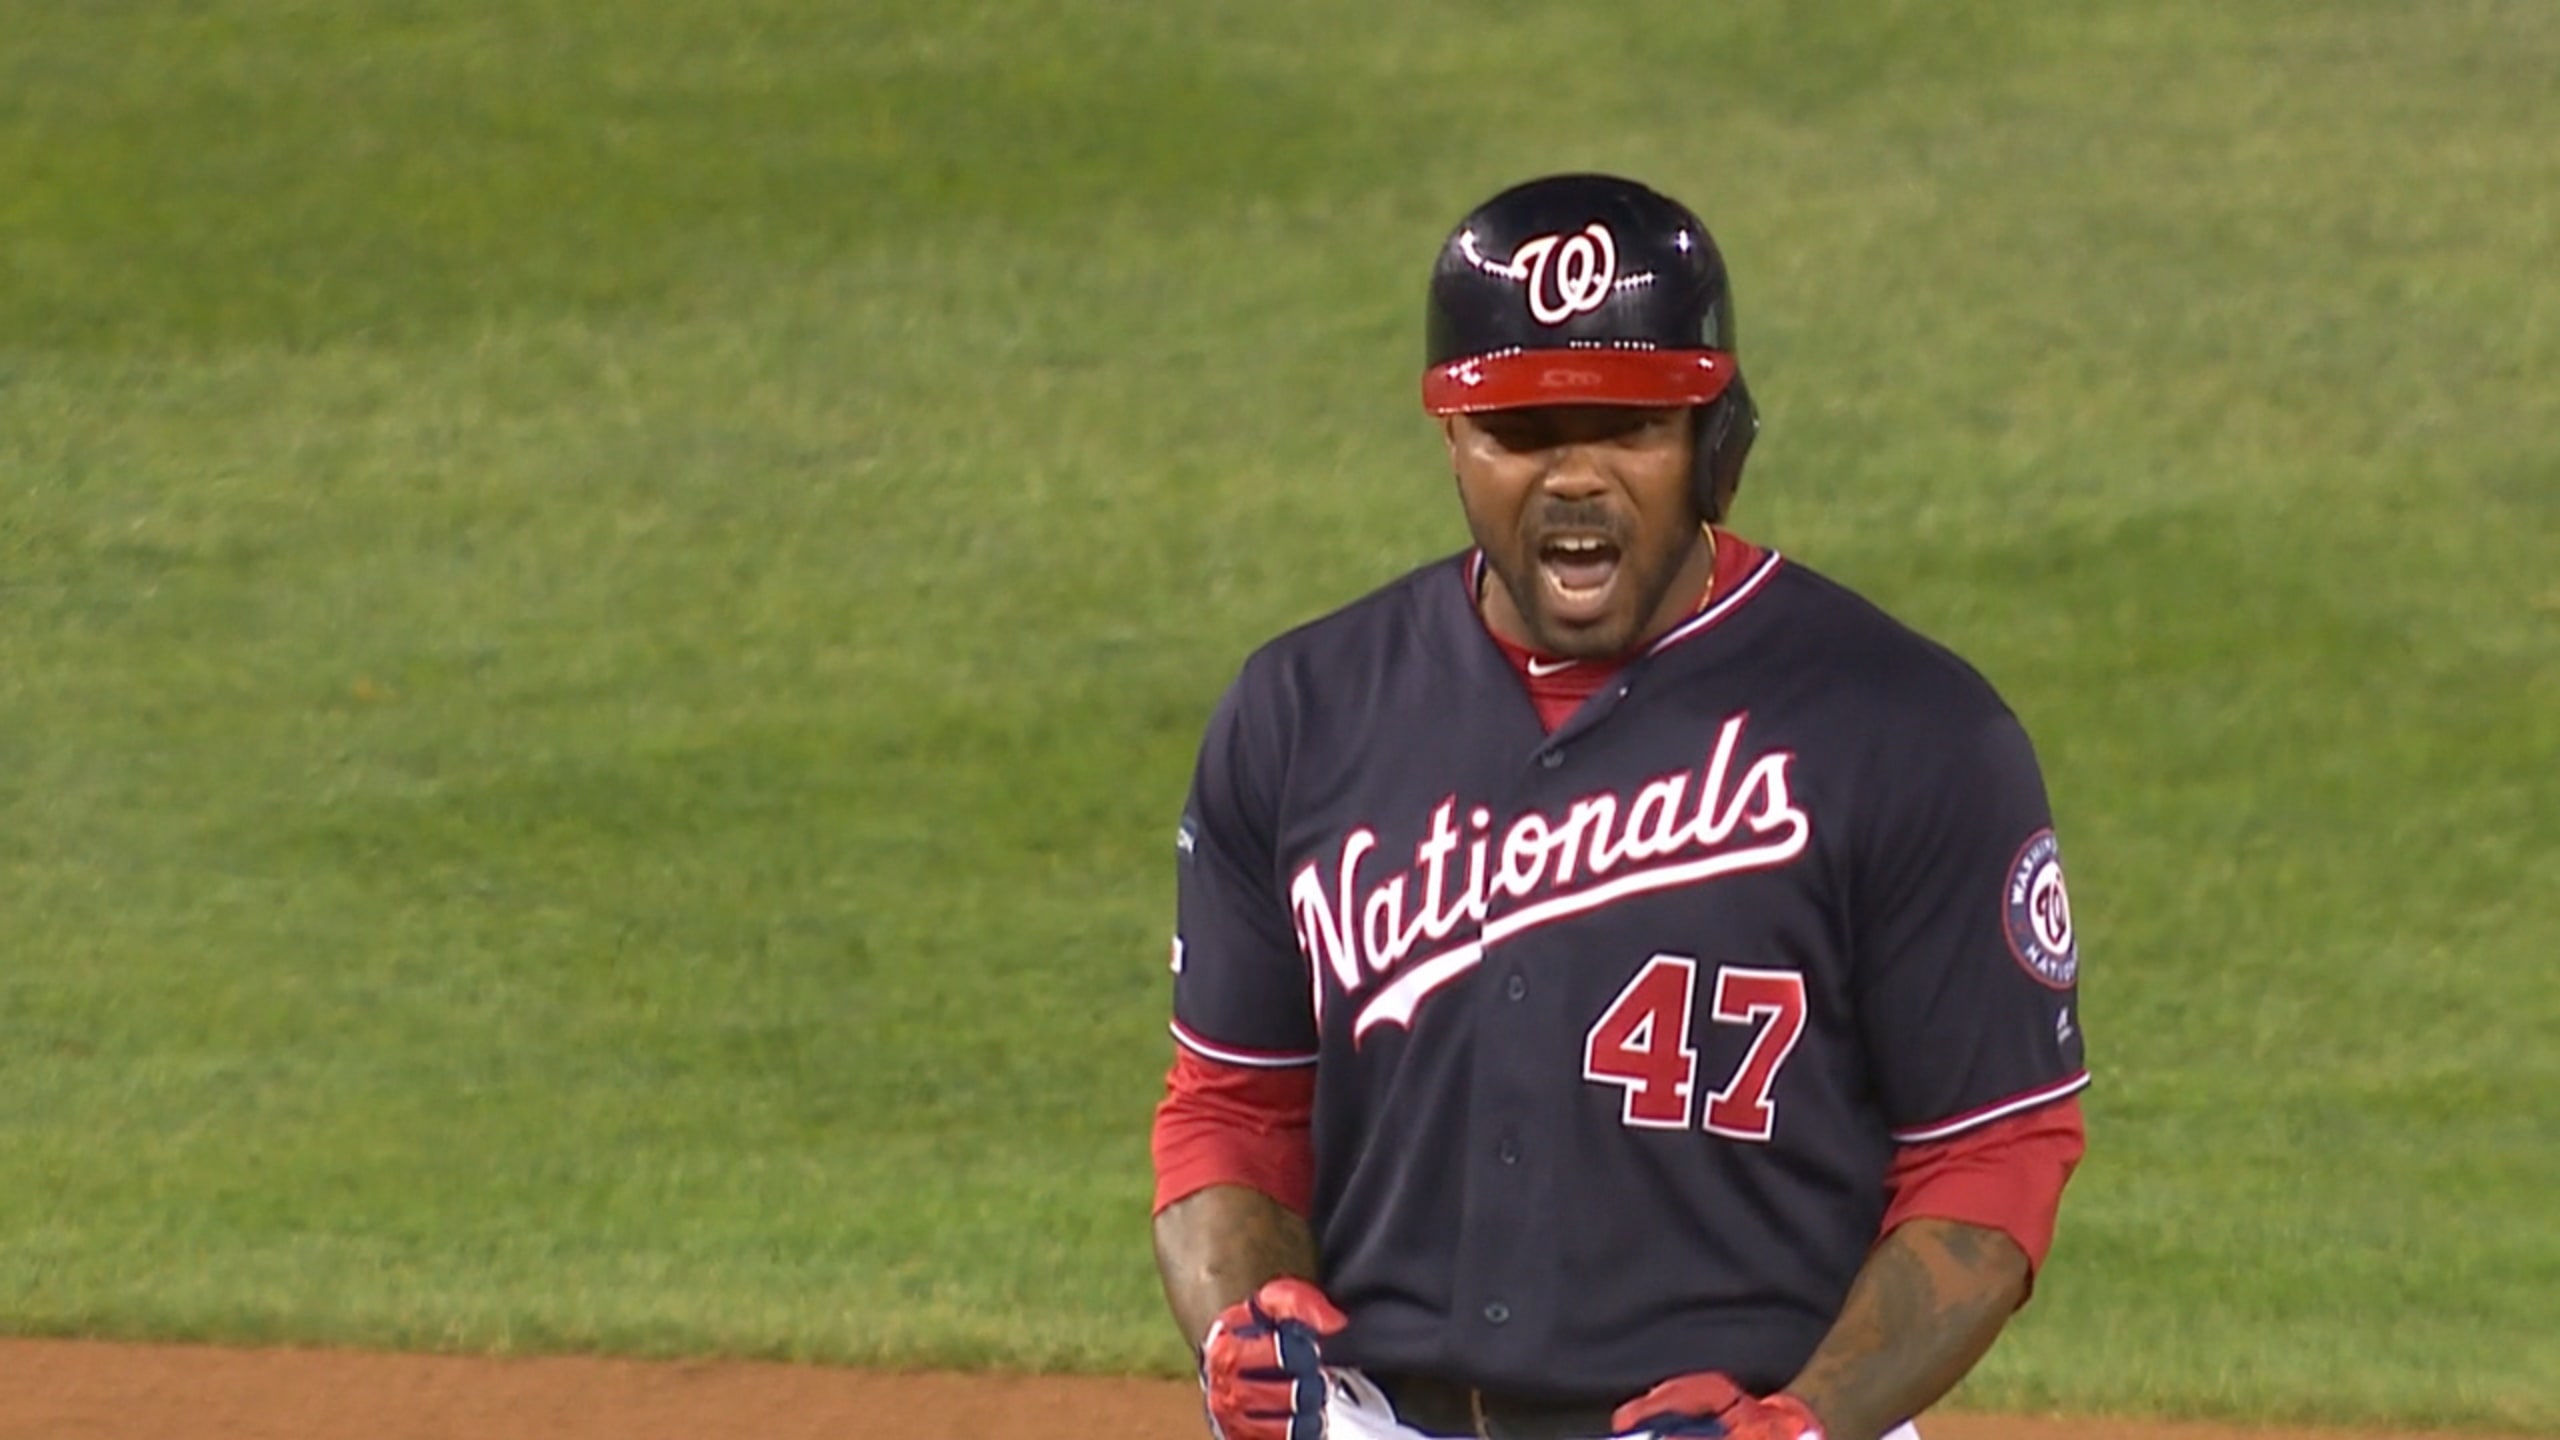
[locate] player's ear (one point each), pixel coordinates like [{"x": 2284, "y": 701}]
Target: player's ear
[
  {"x": 1722, "y": 440},
  {"x": 1449, "y": 436}
]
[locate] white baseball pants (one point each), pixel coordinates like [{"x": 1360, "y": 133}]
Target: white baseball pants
[{"x": 1355, "y": 1410}]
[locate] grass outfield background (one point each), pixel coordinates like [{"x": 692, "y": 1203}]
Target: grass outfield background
[{"x": 603, "y": 612}]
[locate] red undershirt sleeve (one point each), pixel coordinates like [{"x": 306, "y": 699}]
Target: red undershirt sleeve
[
  {"x": 2006, "y": 1176},
  {"x": 1224, "y": 1124}
]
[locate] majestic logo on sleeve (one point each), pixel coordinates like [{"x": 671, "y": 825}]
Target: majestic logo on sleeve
[
  {"x": 1567, "y": 275},
  {"x": 1391, "y": 940},
  {"x": 2036, "y": 908}
]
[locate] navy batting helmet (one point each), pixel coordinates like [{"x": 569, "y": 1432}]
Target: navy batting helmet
[{"x": 1590, "y": 290}]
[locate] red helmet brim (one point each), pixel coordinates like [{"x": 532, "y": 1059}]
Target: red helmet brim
[{"x": 1515, "y": 379}]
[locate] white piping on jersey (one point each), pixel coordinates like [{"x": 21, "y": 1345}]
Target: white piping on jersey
[
  {"x": 1721, "y": 605},
  {"x": 1255, "y": 1059},
  {"x": 1396, "y": 1002},
  {"x": 1996, "y": 1110}
]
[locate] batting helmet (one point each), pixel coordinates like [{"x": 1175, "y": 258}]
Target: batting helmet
[{"x": 1590, "y": 290}]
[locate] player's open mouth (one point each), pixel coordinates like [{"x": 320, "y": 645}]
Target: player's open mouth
[{"x": 1579, "y": 571}]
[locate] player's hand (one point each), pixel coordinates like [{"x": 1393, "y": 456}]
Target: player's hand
[
  {"x": 1262, "y": 1367},
  {"x": 1707, "y": 1405}
]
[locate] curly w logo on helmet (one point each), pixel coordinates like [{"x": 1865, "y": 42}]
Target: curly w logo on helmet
[{"x": 1584, "y": 268}]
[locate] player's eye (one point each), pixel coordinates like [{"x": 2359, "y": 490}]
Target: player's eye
[
  {"x": 1517, "y": 432},
  {"x": 1658, "y": 427}
]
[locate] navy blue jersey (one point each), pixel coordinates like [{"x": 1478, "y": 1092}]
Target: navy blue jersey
[{"x": 1616, "y": 1028}]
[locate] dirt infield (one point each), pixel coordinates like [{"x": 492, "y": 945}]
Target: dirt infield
[{"x": 87, "y": 1390}]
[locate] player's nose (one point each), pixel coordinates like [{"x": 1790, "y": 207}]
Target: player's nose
[{"x": 1574, "y": 472}]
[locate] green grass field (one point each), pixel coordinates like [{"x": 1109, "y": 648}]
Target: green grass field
[{"x": 603, "y": 612}]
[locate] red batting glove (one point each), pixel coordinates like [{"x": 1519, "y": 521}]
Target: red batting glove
[
  {"x": 1262, "y": 1367},
  {"x": 1707, "y": 1405}
]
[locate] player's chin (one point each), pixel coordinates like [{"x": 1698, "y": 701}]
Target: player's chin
[
  {"x": 1586, "y": 643},
  {"x": 1584, "y": 626}
]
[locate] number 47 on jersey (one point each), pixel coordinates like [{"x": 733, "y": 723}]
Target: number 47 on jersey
[{"x": 1640, "y": 1044}]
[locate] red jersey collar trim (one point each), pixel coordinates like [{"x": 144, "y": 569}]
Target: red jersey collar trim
[{"x": 1755, "y": 566}]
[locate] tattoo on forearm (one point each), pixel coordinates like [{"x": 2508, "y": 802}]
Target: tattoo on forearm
[
  {"x": 1927, "y": 1305},
  {"x": 1218, "y": 1247}
]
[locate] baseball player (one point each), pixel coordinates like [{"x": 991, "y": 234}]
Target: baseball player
[{"x": 1624, "y": 982}]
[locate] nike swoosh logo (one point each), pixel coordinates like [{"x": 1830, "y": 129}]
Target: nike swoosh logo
[{"x": 1542, "y": 669}]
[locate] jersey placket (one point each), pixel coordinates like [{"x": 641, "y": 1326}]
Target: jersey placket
[{"x": 1509, "y": 1294}]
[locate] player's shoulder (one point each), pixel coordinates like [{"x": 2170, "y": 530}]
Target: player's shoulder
[
  {"x": 1412, "y": 614},
  {"x": 1321, "y": 681},
  {"x": 1856, "y": 641}
]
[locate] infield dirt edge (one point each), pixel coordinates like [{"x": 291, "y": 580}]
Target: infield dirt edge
[{"x": 110, "y": 1390}]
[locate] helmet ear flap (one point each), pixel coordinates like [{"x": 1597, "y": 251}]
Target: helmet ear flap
[{"x": 1723, "y": 441}]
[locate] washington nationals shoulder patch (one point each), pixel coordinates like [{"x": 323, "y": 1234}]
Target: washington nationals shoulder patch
[{"x": 2036, "y": 909}]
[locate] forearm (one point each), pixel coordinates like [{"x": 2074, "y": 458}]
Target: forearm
[
  {"x": 1924, "y": 1308},
  {"x": 1217, "y": 1246}
]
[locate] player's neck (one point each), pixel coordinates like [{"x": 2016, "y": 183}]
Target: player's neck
[{"x": 1703, "y": 561}]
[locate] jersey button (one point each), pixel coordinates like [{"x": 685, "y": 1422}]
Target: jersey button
[
  {"x": 1497, "y": 1313},
  {"x": 1517, "y": 987},
  {"x": 1508, "y": 1151},
  {"x": 1551, "y": 759}
]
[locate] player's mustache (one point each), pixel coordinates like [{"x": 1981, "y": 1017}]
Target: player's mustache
[{"x": 1581, "y": 516}]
